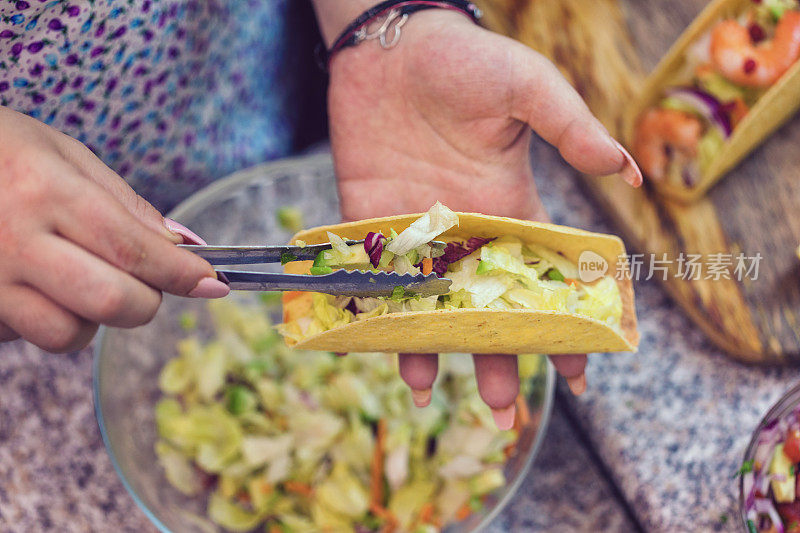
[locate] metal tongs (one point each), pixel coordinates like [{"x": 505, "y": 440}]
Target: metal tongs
[{"x": 338, "y": 283}]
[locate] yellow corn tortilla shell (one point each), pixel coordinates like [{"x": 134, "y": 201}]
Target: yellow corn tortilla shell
[
  {"x": 481, "y": 330},
  {"x": 776, "y": 105}
]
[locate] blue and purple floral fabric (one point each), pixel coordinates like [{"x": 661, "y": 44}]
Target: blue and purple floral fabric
[{"x": 169, "y": 93}]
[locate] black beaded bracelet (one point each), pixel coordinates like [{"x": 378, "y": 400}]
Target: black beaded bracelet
[{"x": 397, "y": 12}]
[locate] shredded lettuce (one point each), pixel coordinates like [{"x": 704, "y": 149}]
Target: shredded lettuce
[
  {"x": 670, "y": 102},
  {"x": 423, "y": 230},
  {"x": 178, "y": 469},
  {"x": 503, "y": 274},
  {"x": 774, "y": 9},
  {"x": 482, "y": 288},
  {"x": 231, "y": 516},
  {"x": 342, "y": 493},
  {"x": 258, "y": 450},
  {"x": 290, "y": 218},
  {"x": 709, "y": 147}
]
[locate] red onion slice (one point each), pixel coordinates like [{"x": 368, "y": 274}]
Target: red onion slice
[
  {"x": 706, "y": 105},
  {"x": 765, "y": 506}
]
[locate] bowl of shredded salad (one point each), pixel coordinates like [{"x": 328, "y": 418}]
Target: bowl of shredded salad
[
  {"x": 769, "y": 495},
  {"x": 214, "y": 424}
]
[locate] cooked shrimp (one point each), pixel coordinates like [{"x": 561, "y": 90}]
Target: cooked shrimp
[
  {"x": 736, "y": 57},
  {"x": 661, "y": 132}
]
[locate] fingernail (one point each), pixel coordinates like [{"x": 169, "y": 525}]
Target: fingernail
[
  {"x": 577, "y": 384},
  {"x": 630, "y": 170},
  {"x": 189, "y": 237},
  {"x": 210, "y": 288},
  {"x": 421, "y": 397},
  {"x": 504, "y": 418}
]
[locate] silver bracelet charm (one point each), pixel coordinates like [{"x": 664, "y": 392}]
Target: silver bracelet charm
[{"x": 392, "y": 23}]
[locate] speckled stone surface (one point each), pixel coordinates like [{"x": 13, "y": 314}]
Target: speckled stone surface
[
  {"x": 55, "y": 474},
  {"x": 564, "y": 491}
]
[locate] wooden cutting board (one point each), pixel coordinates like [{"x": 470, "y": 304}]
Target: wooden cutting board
[{"x": 753, "y": 210}]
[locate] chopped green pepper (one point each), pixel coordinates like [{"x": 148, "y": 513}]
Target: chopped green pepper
[
  {"x": 555, "y": 275},
  {"x": 397, "y": 293},
  {"x": 287, "y": 257},
  {"x": 290, "y": 218},
  {"x": 320, "y": 270},
  {"x": 239, "y": 399}
]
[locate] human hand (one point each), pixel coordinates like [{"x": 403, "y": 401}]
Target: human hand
[
  {"x": 78, "y": 247},
  {"x": 446, "y": 115}
]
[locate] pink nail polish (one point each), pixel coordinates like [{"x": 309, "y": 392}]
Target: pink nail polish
[
  {"x": 210, "y": 288},
  {"x": 577, "y": 384},
  {"x": 189, "y": 237},
  {"x": 421, "y": 397},
  {"x": 630, "y": 170},
  {"x": 504, "y": 418}
]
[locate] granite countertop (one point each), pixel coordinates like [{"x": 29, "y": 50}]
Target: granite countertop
[{"x": 650, "y": 446}]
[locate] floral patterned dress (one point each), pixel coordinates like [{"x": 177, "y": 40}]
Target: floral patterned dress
[{"x": 170, "y": 93}]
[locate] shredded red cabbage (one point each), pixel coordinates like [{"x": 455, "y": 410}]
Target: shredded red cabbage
[
  {"x": 455, "y": 251},
  {"x": 352, "y": 307},
  {"x": 373, "y": 245}
]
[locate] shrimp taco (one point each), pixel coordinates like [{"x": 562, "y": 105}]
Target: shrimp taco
[
  {"x": 728, "y": 82},
  {"x": 516, "y": 288}
]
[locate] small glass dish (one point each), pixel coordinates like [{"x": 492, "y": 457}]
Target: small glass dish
[
  {"x": 237, "y": 210},
  {"x": 784, "y": 406}
]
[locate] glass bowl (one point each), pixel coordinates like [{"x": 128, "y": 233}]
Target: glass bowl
[
  {"x": 237, "y": 210},
  {"x": 786, "y": 404}
]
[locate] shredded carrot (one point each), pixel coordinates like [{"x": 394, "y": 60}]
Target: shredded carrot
[
  {"x": 521, "y": 420},
  {"x": 282, "y": 423},
  {"x": 296, "y": 304},
  {"x": 571, "y": 281},
  {"x": 265, "y": 488},
  {"x": 738, "y": 110},
  {"x": 383, "y": 513},
  {"x": 703, "y": 68},
  {"x": 463, "y": 512},
  {"x": 427, "y": 265},
  {"x": 426, "y": 513},
  {"x": 302, "y": 489},
  {"x": 509, "y": 450},
  {"x": 376, "y": 470},
  {"x": 523, "y": 413},
  {"x": 389, "y": 528},
  {"x": 288, "y": 296},
  {"x": 275, "y": 529}
]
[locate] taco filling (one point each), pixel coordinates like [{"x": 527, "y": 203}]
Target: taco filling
[
  {"x": 501, "y": 273},
  {"x": 724, "y": 74}
]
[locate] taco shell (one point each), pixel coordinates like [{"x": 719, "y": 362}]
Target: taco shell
[
  {"x": 772, "y": 109},
  {"x": 482, "y": 330}
]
